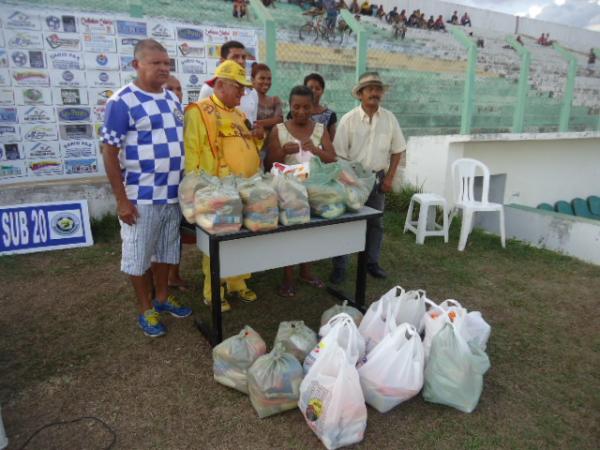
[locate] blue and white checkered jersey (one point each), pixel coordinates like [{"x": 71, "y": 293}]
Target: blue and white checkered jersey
[{"x": 148, "y": 129}]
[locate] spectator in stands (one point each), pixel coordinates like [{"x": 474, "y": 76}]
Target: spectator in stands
[
  {"x": 392, "y": 15},
  {"x": 592, "y": 57},
  {"x": 285, "y": 142},
  {"x": 439, "y": 24},
  {"x": 320, "y": 113},
  {"x": 145, "y": 185},
  {"x": 341, "y": 4},
  {"x": 544, "y": 40},
  {"x": 399, "y": 28},
  {"x": 365, "y": 8},
  {"x": 331, "y": 13},
  {"x": 519, "y": 40},
  {"x": 402, "y": 17},
  {"x": 414, "y": 18},
  {"x": 354, "y": 8},
  {"x": 465, "y": 20},
  {"x": 239, "y": 8},
  {"x": 454, "y": 19},
  {"x": 380, "y": 14},
  {"x": 235, "y": 51},
  {"x": 422, "y": 21},
  {"x": 430, "y": 23},
  {"x": 372, "y": 136}
]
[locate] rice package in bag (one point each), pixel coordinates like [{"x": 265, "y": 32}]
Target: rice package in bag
[
  {"x": 218, "y": 206},
  {"x": 357, "y": 182},
  {"x": 233, "y": 357},
  {"x": 260, "y": 203},
  {"x": 337, "y": 309},
  {"x": 296, "y": 338},
  {"x": 326, "y": 195},
  {"x": 294, "y": 208},
  {"x": 274, "y": 382},
  {"x": 191, "y": 182}
]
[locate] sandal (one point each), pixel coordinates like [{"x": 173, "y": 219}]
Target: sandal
[
  {"x": 314, "y": 282},
  {"x": 286, "y": 290}
]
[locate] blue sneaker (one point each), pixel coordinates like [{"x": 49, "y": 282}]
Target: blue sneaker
[
  {"x": 173, "y": 307},
  {"x": 150, "y": 323}
]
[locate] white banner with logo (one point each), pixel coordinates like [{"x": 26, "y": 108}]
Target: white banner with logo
[{"x": 58, "y": 68}]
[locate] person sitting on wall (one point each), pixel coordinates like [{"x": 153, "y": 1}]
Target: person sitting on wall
[
  {"x": 392, "y": 15},
  {"x": 354, "y": 8},
  {"x": 519, "y": 40},
  {"x": 422, "y": 21},
  {"x": 413, "y": 19},
  {"x": 430, "y": 23},
  {"x": 439, "y": 24},
  {"x": 454, "y": 19},
  {"x": 402, "y": 17},
  {"x": 239, "y": 8},
  {"x": 465, "y": 20},
  {"x": 380, "y": 14},
  {"x": 365, "y": 8}
]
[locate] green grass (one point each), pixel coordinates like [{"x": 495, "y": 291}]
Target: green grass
[{"x": 69, "y": 347}]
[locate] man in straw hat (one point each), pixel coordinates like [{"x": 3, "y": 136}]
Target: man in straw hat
[
  {"x": 372, "y": 136},
  {"x": 218, "y": 140}
]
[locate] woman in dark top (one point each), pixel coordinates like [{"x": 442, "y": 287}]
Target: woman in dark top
[{"x": 320, "y": 113}]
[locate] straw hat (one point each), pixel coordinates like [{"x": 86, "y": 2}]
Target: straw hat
[{"x": 368, "y": 79}]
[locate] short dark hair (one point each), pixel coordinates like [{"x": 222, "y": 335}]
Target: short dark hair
[
  {"x": 259, "y": 67},
  {"x": 227, "y": 46},
  {"x": 147, "y": 44},
  {"x": 316, "y": 77},
  {"x": 301, "y": 91}
]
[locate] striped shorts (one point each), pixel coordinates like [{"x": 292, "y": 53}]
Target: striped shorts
[{"x": 156, "y": 233}]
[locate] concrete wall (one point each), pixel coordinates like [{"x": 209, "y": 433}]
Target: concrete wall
[
  {"x": 573, "y": 236},
  {"x": 96, "y": 191},
  {"x": 539, "y": 167},
  {"x": 575, "y": 38}
]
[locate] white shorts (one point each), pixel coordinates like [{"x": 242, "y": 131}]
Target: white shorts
[{"x": 156, "y": 233}]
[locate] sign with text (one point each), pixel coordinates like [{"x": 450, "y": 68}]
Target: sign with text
[{"x": 45, "y": 226}]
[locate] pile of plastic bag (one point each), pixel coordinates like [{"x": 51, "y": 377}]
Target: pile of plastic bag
[
  {"x": 218, "y": 206},
  {"x": 326, "y": 195},
  {"x": 260, "y": 201}
]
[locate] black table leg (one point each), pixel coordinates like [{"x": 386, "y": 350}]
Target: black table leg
[
  {"x": 361, "y": 280},
  {"x": 214, "y": 333}
]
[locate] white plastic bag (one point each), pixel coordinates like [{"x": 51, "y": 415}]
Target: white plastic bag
[
  {"x": 296, "y": 338},
  {"x": 187, "y": 190},
  {"x": 233, "y": 357},
  {"x": 436, "y": 317},
  {"x": 474, "y": 328},
  {"x": 274, "y": 382},
  {"x": 454, "y": 372},
  {"x": 393, "y": 372},
  {"x": 332, "y": 401},
  {"x": 356, "y": 315},
  {"x": 342, "y": 332}
]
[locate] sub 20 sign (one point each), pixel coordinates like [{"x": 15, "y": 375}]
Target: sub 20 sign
[{"x": 47, "y": 226}]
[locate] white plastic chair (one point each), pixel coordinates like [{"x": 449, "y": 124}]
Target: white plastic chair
[{"x": 463, "y": 176}]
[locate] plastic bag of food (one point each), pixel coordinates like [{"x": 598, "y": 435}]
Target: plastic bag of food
[
  {"x": 300, "y": 171},
  {"x": 293, "y": 200},
  {"x": 342, "y": 332},
  {"x": 233, "y": 357},
  {"x": 357, "y": 182},
  {"x": 326, "y": 195},
  {"x": 356, "y": 315},
  {"x": 331, "y": 399},
  {"x": 454, "y": 372},
  {"x": 274, "y": 382},
  {"x": 218, "y": 206},
  {"x": 296, "y": 338},
  {"x": 260, "y": 203},
  {"x": 191, "y": 182},
  {"x": 393, "y": 372}
]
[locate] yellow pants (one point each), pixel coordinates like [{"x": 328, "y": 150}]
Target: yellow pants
[{"x": 234, "y": 284}]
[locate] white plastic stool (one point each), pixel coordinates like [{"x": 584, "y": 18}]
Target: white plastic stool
[{"x": 420, "y": 227}]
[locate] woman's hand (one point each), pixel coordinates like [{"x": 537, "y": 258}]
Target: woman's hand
[
  {"x": 290, "y": 148},
  {"x": 309, "y": 146}
]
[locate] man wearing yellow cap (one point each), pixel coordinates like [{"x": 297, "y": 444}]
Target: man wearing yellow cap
[{"x": 218, "y": 139}]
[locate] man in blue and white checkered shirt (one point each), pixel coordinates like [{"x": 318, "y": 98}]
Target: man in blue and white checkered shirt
[{"x": 142, "y": 146}]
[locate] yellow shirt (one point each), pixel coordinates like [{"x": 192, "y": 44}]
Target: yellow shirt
[{"x": 239, "y": 149}]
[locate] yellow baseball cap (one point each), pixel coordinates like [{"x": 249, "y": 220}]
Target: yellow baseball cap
[{"x": 230, "y": 70}]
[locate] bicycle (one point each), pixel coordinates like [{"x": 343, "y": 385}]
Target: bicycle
[{"x": 314, "y": 26}]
